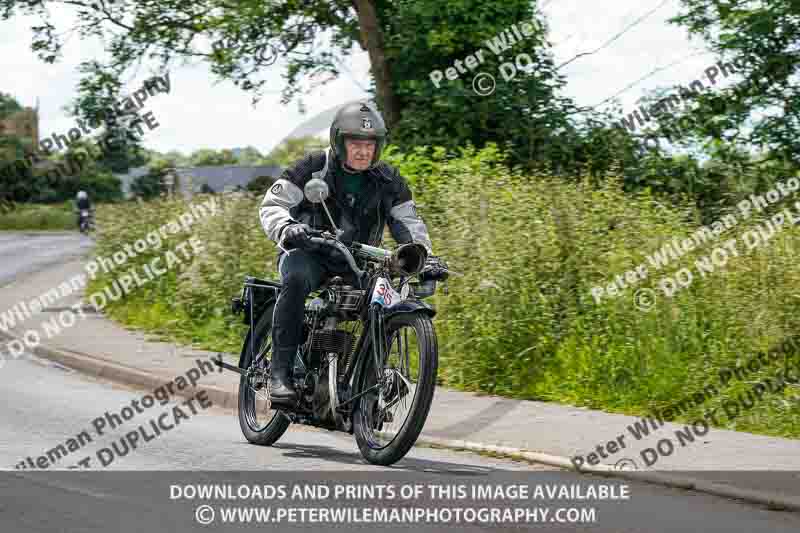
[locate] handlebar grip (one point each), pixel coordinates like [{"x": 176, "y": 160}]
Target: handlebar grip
[
  {"x": 435, "y": 274},
  {"x": 435, "y": 269}
]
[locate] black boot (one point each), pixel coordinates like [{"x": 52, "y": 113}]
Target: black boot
[{"x": 282, "y": 393}]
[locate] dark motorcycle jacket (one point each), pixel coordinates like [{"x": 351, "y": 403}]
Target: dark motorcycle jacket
[{"x": 386, "y": 199}]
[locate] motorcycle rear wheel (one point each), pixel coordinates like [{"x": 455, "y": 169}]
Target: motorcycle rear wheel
[{"x": 259, "y": 423}]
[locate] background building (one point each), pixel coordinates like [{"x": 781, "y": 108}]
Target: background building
[
  {"x": 218, "y": 179},
  {"x": 23, "y": 124}
]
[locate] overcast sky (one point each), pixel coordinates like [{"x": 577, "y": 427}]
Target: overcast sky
[{"x": 202, "y": 113}]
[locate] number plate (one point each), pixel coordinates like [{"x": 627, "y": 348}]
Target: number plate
[{"x": 384, "y": 294}]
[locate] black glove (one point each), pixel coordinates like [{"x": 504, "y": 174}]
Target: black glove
[
  {"x": 296, "y": 234},
  {"x": 435, "y": 269}
]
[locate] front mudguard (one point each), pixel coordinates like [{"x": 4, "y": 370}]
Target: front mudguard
[{"x": 410, "y": 306}]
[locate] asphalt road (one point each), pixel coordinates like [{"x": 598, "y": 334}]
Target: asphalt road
[
  {"x": 45, "y": 405},
  {"x": 21, "y": 253}
]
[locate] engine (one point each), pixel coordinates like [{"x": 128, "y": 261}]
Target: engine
[{"x": 327, "y": 348}]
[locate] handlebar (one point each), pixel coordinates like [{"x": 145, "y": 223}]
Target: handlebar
[
  {"x": 345, "y": 252},
  {"x": 434, "y": 272}
]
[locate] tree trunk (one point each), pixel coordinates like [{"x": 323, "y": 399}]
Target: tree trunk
[{"x": 372, "y": 41}]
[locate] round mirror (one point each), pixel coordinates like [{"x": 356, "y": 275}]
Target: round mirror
[{"x": 316, "y": 190}]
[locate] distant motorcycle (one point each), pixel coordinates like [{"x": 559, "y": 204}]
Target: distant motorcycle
[
  {"x": 369, "y": 359},
  {"x": 85, "y": 222}
]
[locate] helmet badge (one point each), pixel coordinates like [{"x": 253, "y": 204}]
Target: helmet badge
[{"x": 366, "y": 123}]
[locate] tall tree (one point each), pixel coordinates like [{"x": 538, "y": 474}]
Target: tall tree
[
  {"x": 406, "y": 40},
  {"x": 238, "y": 39},
  {"x": 206, "y": 157},
  {"x": 8, "y": 105},
  {"x": 99, "y": 103},
  {"x": 758, "y": 42},
  {"x": 477, "y": 72}
]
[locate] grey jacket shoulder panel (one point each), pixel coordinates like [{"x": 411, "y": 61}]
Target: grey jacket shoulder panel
[
  {"x": 286, "y": 194},
  {"x": 405, "y": 223}
]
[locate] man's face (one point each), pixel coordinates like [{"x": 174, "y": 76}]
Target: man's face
[{"x": 359, "y": 153}]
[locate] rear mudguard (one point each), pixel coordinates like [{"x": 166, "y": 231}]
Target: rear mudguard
[{"x": 269, "y": 305}]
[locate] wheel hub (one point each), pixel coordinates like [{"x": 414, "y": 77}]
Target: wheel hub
[{"x": 258, "y": 379}]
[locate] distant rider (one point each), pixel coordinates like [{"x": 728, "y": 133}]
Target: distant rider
[{"x": 82, "y": 202}]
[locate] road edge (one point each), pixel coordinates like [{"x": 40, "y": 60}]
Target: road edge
[{"x": 98, "y": 367}]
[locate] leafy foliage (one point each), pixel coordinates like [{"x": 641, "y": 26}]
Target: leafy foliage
[
  {"x": 59, "y": 217},
  {"x": 26, "y": 177},
  {"x": 151, "y": 185},
  {"x": 8, "y": 105},
  {"x": 98, "y": 95},
  {"x": 760, "y": 110},
  {"x": 250, "y": 156},
  {"x": 245, "y": 37},
  {"x": 291, "y": 150},
  {"x": 207, "y": 157},
  {"x": 260, "y": 184}
]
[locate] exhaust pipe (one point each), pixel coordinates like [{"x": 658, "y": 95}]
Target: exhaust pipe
[{"x": 230, "y": 367}]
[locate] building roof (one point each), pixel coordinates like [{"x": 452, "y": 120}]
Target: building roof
[{"x": 225, "y": 177}]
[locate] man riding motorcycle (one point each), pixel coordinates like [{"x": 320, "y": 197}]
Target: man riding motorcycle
[
  {"x": 366, "y": 194},
  {"x": 82, "y": 204}
]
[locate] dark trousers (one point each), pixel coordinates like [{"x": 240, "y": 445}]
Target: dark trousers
[{"x": 301, "y": 273}]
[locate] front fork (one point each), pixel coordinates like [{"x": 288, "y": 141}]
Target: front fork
[
  {"x": 378, "y": 338},
  {"x": 375, "y": 319}
]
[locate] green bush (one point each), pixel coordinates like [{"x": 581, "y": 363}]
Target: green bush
[
  {"x": 38, "y": 217},
  {"x": 191, "y": 302},
  {"x": 260, "y": 184},
  {"x": 101, "y": 187},
  {"x": 147, "y": 186}
]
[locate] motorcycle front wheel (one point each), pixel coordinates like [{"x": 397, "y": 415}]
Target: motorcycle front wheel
[{"x": 388, "y": 420}]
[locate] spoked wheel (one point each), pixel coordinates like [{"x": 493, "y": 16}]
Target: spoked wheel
[
  {"x": 260, "y": 424},
  {"x": 388, "y": 420}
]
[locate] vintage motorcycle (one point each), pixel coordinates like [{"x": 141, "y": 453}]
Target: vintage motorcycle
[
  {"x": 369, "y": 359},
  {"x": 86, "y": 223}
]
